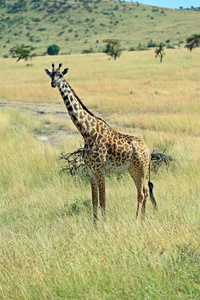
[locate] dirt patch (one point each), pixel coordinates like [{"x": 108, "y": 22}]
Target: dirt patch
[
  {"x": 54, "y": 116},
  {"x": 38, "y": 109}
]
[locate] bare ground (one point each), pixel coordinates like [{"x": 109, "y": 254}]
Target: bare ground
[
  {"x": 38, "y": 109},
  {"x": 55, "y": 130}
]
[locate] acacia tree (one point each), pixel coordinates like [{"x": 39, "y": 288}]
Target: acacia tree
[
  {"x": 160, "y": 51},
  {"x": 193, "y": 41},
  {"x": 21, "y": 52},
  {"x": 113, "y": 48}
]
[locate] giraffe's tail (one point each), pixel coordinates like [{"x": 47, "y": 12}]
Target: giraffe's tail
[{"x": 150, "y": 184}]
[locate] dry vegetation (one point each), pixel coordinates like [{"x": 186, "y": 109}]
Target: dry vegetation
[{"x": 49, "y": 248}]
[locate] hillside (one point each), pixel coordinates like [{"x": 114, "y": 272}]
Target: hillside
[{"x": 81, "y": 26}]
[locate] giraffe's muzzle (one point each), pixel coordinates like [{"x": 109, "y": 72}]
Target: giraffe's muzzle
[{"x": 53, "y": 84}]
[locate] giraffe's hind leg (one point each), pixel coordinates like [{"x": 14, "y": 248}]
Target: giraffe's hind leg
[
  {"x": 145, "y": 192},
  {"x": 141, "y": 202},
  {"x": 139, "y": 180}
]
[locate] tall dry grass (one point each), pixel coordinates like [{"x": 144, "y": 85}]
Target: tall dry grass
[{"x": 49, "y": 248}]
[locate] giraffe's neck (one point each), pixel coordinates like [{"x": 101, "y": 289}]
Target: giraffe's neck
[{"x": 83, "y": 119}]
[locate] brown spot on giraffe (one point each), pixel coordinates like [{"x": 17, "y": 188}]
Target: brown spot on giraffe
[{"x": 105, "y": 149}]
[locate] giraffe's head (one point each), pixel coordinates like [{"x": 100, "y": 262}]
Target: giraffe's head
[{"x": 56, "y": 74}]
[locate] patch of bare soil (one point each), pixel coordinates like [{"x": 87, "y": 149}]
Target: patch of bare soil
[
  {"x": 38, "y": 109},
  {"x": 55, "y": 130}
]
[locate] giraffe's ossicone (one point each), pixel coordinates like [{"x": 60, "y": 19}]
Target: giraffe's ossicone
[{"x": 105, "y": 148}]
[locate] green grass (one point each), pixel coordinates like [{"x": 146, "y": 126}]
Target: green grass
[{"x": 78, "y": 26}]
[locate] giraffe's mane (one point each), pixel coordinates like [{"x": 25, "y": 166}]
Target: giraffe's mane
[{"x": 84, "y": 107}]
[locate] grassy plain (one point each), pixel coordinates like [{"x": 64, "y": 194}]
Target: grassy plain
[{"x": 49, "y": 248}]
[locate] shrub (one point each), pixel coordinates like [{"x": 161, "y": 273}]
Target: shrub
[
  {"x": 36, "y": 20},
  {"x": 41, "y": 29},
  {"x": 87, "y": 51},
  {"x": 170, "y": 47},
  {"x": 53, "y": 50},
  {"x": 141, "y": 47},
  {"x": 151, "y": 44}
]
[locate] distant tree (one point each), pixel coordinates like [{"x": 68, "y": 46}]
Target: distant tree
[
  {"x": 113, "y": 48},
  {"x": 21, "y": 52},
  {"x": 160, "y": 51},
  {"x": 53, "y": 50},
  {"x": 193, "y": 41}
]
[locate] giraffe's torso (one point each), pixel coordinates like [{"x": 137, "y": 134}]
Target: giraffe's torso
[{"x": 113, "y": 151}]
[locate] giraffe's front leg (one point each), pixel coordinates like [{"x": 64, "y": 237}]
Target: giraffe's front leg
[{"x": 94, "y": 187}]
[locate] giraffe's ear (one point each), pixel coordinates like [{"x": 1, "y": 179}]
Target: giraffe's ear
[
  {"x": 48, "y": 72},
  {"x": 65, "y": 71}
]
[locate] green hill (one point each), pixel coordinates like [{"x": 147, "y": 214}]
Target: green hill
[{"x": 81, "y": 26}]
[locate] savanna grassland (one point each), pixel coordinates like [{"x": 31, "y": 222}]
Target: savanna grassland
[{"x": 49, "y": 248}]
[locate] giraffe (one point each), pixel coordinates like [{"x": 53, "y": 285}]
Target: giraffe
[{"x": 105, "y": 148}]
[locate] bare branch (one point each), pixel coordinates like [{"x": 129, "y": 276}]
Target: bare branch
[
  {"x": 74, "y": 162},
  {"x": 158, "y": 158}
]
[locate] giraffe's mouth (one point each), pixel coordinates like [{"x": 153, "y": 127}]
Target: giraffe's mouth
[{"x": 53, "y": 84}]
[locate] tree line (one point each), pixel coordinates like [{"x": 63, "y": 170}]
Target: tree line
[{"x": 113, "y": 49}]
